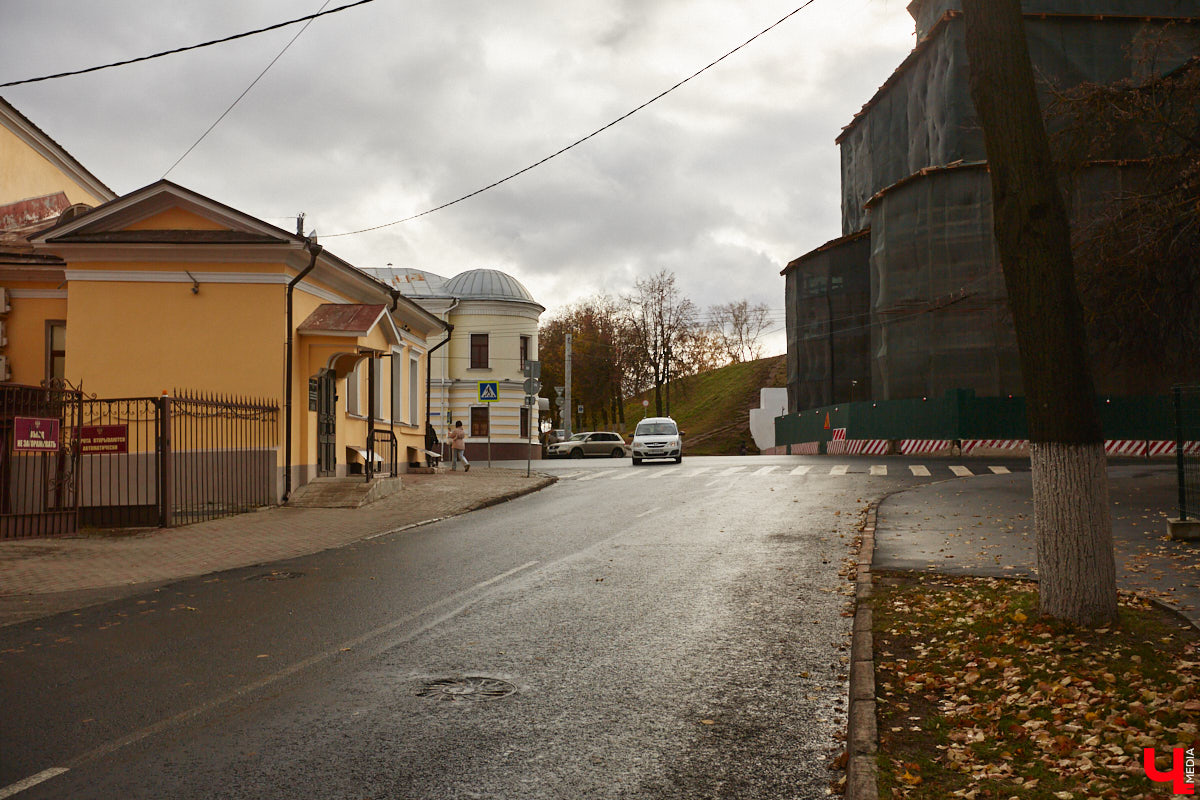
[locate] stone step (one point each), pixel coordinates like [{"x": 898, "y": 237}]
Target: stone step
[{"x": 350, "y": 492}]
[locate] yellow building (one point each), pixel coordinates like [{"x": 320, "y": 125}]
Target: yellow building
[
  {"x": 164, "y": 288},
  {"x": 495, "y": 321}
]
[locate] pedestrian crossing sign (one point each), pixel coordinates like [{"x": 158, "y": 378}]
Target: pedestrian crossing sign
[{"x": 489, "y": 391}]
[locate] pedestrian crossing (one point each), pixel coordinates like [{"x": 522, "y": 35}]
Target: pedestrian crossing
[{"x": 804, "y": 470}]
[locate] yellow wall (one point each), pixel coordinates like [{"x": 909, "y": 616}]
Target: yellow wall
[
  {"x": 24, "y": 174},
  {"x": 133, "y": 339},
  {"x": 175, "y": 219},
  {"x": 25, "y": 328}
]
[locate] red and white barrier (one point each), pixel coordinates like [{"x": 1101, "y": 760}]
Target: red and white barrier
[
  {"x": 993, "y": 444},
  {"x": 1125, "y": 447},
  {"x": 870, "y": 447},
  {"x": 806, "y": 449},
  {"x": 912, "y": 446}
]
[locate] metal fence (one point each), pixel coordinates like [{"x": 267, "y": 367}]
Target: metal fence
[
  {"x": 382, "y": 447},
  {"x": 224, "y": 453},
  {"x": 69, "y": 460},
  {"x": 1187, "y": 454},
  {"x": 38, "y": 473}
]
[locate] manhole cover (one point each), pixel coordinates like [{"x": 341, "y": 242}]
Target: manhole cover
[
  {"x": 276, "y": 575},
  {"x": 459, "y": 690}
]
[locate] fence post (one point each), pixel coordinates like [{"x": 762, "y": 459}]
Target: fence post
[
  {"x": 166, "y": 484},
  {"x": 1177, "y": 392}
]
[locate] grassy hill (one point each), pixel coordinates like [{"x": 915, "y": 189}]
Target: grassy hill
[{"x": 713, "y": 408}]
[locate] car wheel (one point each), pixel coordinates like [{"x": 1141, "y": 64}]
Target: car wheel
[
  {"x": 678, "y": 459},
  {"x": 577, "y": 452},
  {"x": 637, "y": 462},
  {"x": 618, "y": 453}
]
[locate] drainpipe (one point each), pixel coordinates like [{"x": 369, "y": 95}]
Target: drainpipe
[
  {"x": 429, "y": 371},
  {"x": 314, "y": 250}
]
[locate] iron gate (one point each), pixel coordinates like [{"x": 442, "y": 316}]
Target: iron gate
[{"x": 38, "y": 461}]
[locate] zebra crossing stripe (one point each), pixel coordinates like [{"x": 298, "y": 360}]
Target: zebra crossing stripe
[
  {"x": 696, "y": 472},
  {"x": 999, "y": 470},
  {"x": 919, "y": 471},
  {"x": 765, "y": 470},
  {"x": 840, "y": 469},
  {"x": 732, "y": 470},
  {"x": 594, "y": 476},
  {"x": 802, "y": 470},
  {"x": 962, "y": 472},
  {"x": 663, "y": 474},
  {"x": 623, "y": 474},
  {"x": 879, "y": 469}
]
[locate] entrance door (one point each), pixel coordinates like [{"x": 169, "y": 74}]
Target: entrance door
[{"x": 326, "y": 424}]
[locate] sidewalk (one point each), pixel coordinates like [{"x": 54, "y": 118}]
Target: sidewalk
[
  {"x": 39, "y": 577},
  {"x": 984, "y": 526}
]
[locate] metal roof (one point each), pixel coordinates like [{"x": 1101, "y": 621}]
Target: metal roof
[
  {"x": 410, "y": 282},
  {"x": 488, "y": 284},
  {"x": 343, "y": 318}
]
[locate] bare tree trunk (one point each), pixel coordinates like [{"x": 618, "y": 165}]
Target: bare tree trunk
[{"x": 1071, "y": 506}]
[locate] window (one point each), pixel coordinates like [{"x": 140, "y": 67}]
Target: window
[
  {"x": 353, "y": 381},
  {"x": 56, "y": 348},
  {"x": 479, "y": 351},
  {"x": 524, "y": 419},
  {"x": 479, "y": 421},
  {"x": 397, "y": 384},
  {"x": 524, "y": 351},
  {"x": 414, "y": 388}
]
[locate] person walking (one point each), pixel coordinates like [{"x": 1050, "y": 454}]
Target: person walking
[{"x": 458, "y": 447}]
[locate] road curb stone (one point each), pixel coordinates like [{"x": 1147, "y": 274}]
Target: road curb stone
[{"x": 862, "y": 734}]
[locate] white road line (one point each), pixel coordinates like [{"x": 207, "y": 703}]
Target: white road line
[
  {"x": 840, "y": 469},
  {"x": 962, "y": 472},
  {"x": 623, "y": 474},
  {"x": 462, "y": 597},
  {"x": 732, "y": 470},
  {"x": 696, "y": 472},
  {"x": 31, "y": 781},
  {"x": 765, "y": 470},
  {"x": 711, "y": 484},
  {"x": 879, "y": 469},
  {"x": 919, "y": 472},
  {"x": 648, "y": 513},
  {"x": 594, "y": 476},
  {"x": 663, "y": 474},
  {"x": 569, "y": 474},
  {"x": 802, "y": 470},
  {"x": 999, "y": 470}
]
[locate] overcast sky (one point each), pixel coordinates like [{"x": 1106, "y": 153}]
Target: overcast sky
[{"x": 386, "y": 110}]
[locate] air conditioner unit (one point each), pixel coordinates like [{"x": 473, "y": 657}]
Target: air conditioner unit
[
  {"x": 4, "y": 306},
  {"x": 3, "y": 334},
  {"x": 4, "y": 373}
]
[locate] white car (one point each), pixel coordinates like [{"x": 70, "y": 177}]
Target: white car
[
  {"x": 590, "y": 443},
  {"x": 657, "y": 437}
]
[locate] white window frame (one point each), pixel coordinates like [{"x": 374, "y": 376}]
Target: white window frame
[
  {"x": 353, "y": 387},
  {"x": 414, "y": 389}
]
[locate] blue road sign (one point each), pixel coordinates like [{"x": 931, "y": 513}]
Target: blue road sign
[{"x": 489, "y": 391}]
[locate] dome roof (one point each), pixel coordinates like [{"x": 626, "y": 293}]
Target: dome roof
[{"x": 487, "y": 284}]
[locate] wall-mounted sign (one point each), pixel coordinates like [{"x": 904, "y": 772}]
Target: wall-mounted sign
[
  {"x": 35, "y": 435},
  {"x": 104, "y": 439}
]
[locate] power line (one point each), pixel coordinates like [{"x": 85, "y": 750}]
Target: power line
[
  {"x": 276, "y": 26},
  {"x": 225, "y": 113},
  {"x": 578, "y": 142}
]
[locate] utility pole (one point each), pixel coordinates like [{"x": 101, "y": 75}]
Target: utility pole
[
  {"x": 568, "y": 409},
  {"x": 667, "y": 374}
]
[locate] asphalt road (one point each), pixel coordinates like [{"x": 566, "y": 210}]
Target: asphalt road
[{"x": 657, "y": 632}]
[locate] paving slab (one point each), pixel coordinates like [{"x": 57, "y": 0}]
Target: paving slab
[
  {"x": 45, "y": 576},
  {"x": 984, "y": 526}
]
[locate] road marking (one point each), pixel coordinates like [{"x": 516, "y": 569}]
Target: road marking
[
  {"x": 623, "y": 474},
  {"x": 999, "y": 470},
  {"x": 299, "y": 666},
  {"x": 663, "y": 474},
  {"x": 593, "y": 476},
  {"x": 732, "y": 470},
  {"x": 31, "y": 781},
  {"x": 802, "y": 470},
  {"x": 570, "y": 474},
  {"x": 696, "y": 472},
  {"x": 840, "y": 469},
  {"x": 765, "y": 470},
  {"x": 919, "y": 472},
  {"x": 962, "y": 472},
  {"x": 648, "y": 513},
  {"x": 879, "y": 469}
]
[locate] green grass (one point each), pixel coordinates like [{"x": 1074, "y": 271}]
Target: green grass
[{"x": 713, "y": 408}]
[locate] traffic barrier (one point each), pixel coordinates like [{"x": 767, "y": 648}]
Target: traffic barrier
[
  {"x": 1125, "y": 447},
  {"x": 993, "y": 444},
  {"x": 915, "y": 446}
]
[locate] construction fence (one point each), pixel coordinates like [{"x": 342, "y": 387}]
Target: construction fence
[{"x": 959, "y": 421}]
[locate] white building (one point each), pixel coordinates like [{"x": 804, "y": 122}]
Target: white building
[{"x": 495, "y": 322}]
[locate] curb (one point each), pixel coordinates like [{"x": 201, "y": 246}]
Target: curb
[{"x": 862, "y": 735}]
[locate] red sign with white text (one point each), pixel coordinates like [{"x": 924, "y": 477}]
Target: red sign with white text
[
  {"x": 35, "y": 435},
  {"x": 104, "y": 439}
]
